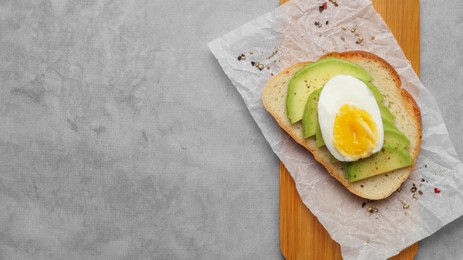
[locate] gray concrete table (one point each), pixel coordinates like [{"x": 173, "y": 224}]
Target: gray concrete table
[{"x": 122, "y": 138}]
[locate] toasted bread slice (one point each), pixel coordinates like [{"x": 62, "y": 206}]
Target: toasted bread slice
[{"x": 398, "y": 100}]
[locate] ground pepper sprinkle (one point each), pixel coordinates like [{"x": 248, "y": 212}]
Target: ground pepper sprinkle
[
  {"x": 273, "y": 54},
  {"x": 334, "y": 2},
  {"x": 372, "y": 209}
]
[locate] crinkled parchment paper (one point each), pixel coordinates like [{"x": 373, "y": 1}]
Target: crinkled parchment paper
[{"x": 288, "y": 35}]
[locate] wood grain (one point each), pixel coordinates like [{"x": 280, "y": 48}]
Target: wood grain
[
  {"x": 301, "y": 235},
  {"x": 403, "y": 19}
]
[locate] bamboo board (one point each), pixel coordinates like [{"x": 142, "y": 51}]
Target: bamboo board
[{"x": 301, "y": 235}]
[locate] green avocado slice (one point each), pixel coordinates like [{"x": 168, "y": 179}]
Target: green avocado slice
[
  {"x": 378, "y": 96},
  {"x": 319, "y": 142},
  {"x": 388, "y": 159},
  {"x": 386, "y": 114},
  {"x": 310, "y": 117},
  {"x": 395, "y": 138}
]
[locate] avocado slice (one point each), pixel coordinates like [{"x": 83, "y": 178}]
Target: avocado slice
[
  {"x": 319, "y": 142},
  {"x": 395, "y": 138},
  {"x": 388, "y": 159},
  {"x": 386, "y": 114},
  {"x": 383, "y": 109},
  {"x": 314, "y": 76},
  {"x": 310, "y": 117},
  {"x": 389, "y": 125},
  {"x": 378, "y": 96}
]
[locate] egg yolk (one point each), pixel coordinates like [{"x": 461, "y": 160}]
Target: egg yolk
[{"x": 355, "y": 132}]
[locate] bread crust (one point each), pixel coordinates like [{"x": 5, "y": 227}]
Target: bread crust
[{"x": 374, "y": 188}]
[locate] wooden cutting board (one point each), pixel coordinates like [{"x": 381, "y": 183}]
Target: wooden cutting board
[{"x": 301, "y": 235}]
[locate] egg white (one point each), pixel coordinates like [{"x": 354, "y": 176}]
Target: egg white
[{"x": 341, "y": 90}]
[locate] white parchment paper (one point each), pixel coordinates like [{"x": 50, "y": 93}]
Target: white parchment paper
[{"x": 288, "y": 35}]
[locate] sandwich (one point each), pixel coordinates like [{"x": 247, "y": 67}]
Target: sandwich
[{"x": 350, "y": 111}]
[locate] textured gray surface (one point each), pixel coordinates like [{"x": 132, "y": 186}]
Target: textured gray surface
[
  {"x": 442, "y": 74},
  {"x": 121, "y": 137}
]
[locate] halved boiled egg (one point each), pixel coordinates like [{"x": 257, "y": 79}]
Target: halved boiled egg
[{"x": 350, "y": 119}]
